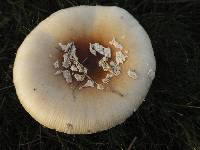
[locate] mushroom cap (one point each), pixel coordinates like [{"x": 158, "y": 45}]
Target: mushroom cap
[{"x": 60, "y": 106}]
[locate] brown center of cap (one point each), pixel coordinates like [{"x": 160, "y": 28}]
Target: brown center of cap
[
  {"x": 87, "y": 59},
  {"x": 90, "y": 61}
]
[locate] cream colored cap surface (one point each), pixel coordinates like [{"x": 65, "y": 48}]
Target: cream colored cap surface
[{"x": 63, "y": 107}]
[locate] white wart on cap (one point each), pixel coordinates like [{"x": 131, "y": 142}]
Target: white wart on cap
[{"x": 110, "y": 88}]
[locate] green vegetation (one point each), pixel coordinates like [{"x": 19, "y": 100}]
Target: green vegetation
[{"x": 168, "y": 119}]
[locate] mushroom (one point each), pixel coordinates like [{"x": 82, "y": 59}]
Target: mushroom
[{"x": 40, "y": 79}]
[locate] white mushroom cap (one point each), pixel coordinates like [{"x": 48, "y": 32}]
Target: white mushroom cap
[{"x": 57, "y": 105}]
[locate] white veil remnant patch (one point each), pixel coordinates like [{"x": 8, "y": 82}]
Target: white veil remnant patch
[
  {"x": 132, "y": 74},
  {"x": 120, "y": 57},
  {"x": 116, "y": 44},
  {"x": 67, "y": 76},
  {"x": 89, "y": 83},
  {"x": 96, "y": 47}
]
